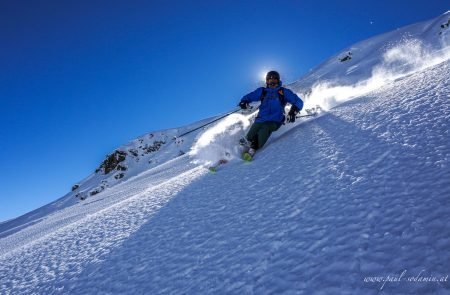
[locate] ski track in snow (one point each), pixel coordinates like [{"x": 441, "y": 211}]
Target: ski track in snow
[{"x": 361, "y": 191}]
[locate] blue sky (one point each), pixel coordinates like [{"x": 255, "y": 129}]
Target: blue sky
[{"x": 80, "y": 78}]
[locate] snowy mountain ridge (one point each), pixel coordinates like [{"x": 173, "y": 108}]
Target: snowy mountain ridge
[
  {"x": 374, "y": 62},
  {"x": 359, "y": 192}
]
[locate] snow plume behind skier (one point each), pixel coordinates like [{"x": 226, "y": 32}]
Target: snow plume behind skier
[
  {"x": 400, "y": 59},
  {"x": 220, "y": 141}
]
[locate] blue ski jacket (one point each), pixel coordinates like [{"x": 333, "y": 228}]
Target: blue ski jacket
[{"x": 271, "y": 108}]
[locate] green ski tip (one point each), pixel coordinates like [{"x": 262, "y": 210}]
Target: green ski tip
[
  {"x": 212, "y": 169},
  {"x": 247, "y": 157}
]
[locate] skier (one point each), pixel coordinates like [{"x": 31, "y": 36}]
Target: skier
[{"x": 271, "y": 116}]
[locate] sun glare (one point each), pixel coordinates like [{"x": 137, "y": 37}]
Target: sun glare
[{"x": 262, "y": 75}]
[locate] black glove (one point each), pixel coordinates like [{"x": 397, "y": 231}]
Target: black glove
[
  {"x": 292, "y": 114},
  {"x": 244, "y": 105}
]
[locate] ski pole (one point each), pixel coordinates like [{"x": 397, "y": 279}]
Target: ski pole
[
  {"x": 309, "y": 115},
  {"x": 209, "y": 123}
]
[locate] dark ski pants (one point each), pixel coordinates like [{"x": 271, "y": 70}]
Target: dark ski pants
[{"x": 260, "y": 132}]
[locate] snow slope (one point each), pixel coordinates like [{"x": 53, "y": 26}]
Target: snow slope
[{"x": 342, "y": 204}]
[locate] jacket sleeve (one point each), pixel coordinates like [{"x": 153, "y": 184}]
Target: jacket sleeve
[
  {"x": 293, "y": 99},
  {"x": 253, "y": 96}
]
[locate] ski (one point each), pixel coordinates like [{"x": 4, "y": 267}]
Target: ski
[{"x": 216, "y": 166}]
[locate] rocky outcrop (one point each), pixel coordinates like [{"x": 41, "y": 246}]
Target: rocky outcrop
[
  {"x": 112, "y": 162},
  {"x": 154, "y": 147},
  {"x": 348, "y": 56},
  {"x": 119, "y": 176},
  {"x": 134, "y": 152},
  {"x": 116, "y": 163},
  {"x": 75, "y": 187},
  {"x": 444, "y": 26}
]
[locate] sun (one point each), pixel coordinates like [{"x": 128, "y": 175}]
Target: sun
[{"x": 262, "y": 75}]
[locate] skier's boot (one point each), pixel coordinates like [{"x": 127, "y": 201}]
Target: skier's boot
[{"x": 248, "y": 156}]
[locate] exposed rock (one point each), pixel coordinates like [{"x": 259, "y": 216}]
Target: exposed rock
[
  {"x": 154, "y": 147},
  {"x": 81, "y": 196},
  {"x": 444, "y": 26},
  {"x": 119, "y": 176},
  {"x": 96, "y": 191},
  {"x": 121, "y": 168},
  {"x": 112, "y": 162},
  {"x": 75, "y": 186},
  {"x": 348, "y": 56},
  {"x": 133, "y": 152}
]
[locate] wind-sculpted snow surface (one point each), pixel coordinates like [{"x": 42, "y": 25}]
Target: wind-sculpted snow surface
[
  {"x": 354, "y": 202},
  {"x": 46, "y": 257}
]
